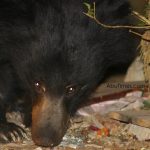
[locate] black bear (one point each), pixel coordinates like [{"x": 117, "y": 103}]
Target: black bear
[{"x": 52, "y": 56}]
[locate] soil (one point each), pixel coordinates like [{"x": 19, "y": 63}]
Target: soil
[{"x": 90, "y": 133}]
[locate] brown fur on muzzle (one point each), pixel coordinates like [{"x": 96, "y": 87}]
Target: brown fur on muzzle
[{"x": 49, "y": 121}]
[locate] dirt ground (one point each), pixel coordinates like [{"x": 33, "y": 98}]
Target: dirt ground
[{"x": 94, "y": 132}]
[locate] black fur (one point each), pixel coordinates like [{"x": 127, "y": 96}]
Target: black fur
[{"x": 52, "y": 43}]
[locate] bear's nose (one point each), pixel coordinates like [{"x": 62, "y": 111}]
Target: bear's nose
[
  {"x": 46, "y": 137},
  {"x": 46, "y": 142}
]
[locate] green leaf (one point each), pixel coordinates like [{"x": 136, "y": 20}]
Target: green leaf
[
  {"x": 90, "y": 11},
  {"x": 88, "y": 6}
]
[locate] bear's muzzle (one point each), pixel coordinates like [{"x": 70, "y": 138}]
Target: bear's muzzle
[{"x": 49, "y": 121}]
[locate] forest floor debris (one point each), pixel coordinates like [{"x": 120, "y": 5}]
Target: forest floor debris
[{"x": 99, "y": 132}]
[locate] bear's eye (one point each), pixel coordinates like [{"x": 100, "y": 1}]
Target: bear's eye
[
  {"x": 71, "y": 89},
  {"x": 39, "y": 87}
]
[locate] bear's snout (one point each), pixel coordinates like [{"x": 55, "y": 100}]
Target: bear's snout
[
  {"x": 49, "y": 122},
  {"x": 47, "y": 137}
]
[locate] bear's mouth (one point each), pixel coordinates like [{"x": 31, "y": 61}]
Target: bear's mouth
[{"x": 50, "y": 121}]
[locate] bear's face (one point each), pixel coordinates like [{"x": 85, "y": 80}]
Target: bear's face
[{"x": 59, "y": 88}]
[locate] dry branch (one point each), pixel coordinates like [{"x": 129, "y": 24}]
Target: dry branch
[{"x": 92, "y": 14}]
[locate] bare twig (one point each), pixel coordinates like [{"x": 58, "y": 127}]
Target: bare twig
[
  {"x": 140, "y": 17},
  {"x": 140, "y": 35},
  {"x": 93, "y": 16},
  {"x": 116, "y": 26}
]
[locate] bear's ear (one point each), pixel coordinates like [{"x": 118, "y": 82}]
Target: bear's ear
[{"x": 111, "y": 9}]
